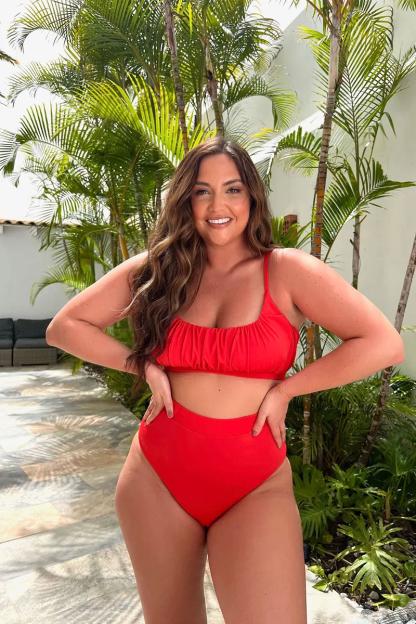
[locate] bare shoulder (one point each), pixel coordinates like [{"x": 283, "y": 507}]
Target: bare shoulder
[
  {"x": 135, "y": 263},
  {"x": 326, "y": 298},
  {"x": 280, "y": 289}
]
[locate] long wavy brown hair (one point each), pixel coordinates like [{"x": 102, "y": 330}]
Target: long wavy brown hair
[{"x": 177, "y": 254}]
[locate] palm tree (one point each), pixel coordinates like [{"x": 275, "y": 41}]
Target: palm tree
[
  {"x": 171, "y": 37},
  {"x": 403, "y": 299},
  {"x": 336, "y": 18},
  {"x": 356, "y": 83},
  {"x": 114, "y": 140}
]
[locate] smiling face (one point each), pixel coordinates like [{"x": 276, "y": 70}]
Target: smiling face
[{"x": 219, "y": 193}]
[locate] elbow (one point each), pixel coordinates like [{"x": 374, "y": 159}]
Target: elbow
[
  {"x": 52, "y": 333},
  {"x": 399, "y": 353},
  {"x": 48, "y": 336}
]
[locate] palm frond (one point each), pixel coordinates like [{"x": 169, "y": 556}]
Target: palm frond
[
  {"x": 73, "y": 281},
  {"x": 408, "y": 5},
  {"x": 9, "y": 146},
  {"x": 347, "y": 197},
  {"x": 283, "y": 102},
  {"x": 58, "y": 16},
  {"x": 60, "y": 78},
  {"x": 9, "y": 59}
]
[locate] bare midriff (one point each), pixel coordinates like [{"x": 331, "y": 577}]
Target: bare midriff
[{"x": 219, "y": 396}]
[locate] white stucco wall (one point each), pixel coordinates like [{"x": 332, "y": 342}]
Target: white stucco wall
[{"x": 22, "y": 264}]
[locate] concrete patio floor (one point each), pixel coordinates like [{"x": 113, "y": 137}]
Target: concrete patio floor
[{"x": 62, "y": 556}]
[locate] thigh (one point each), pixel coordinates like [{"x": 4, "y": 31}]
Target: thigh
[
  {"x": 255, "y": 554},
  {"x": 167, "y": 547}
]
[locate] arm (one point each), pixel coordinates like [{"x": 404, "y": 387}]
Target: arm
[
  {"x": 370, "y": 341},
  {"x": 78, "y": 327}
]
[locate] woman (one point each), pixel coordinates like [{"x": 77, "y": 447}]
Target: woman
[{"x": 217, "y": 310}]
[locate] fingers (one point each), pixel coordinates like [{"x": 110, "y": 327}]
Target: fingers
[
  {"x": 278, "y": 430},
  {"x": 279, "y": 433},
  {"x": 258, "y": 425},
  {"x": 169, "y": 407},
  {"x": 155, "y": 407},
  {"x": 153, "y": 410}
]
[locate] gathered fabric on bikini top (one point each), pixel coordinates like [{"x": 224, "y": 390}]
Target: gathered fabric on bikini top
[{"x": 263, "y": 349}]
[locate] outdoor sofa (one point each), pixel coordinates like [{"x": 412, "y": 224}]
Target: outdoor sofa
[
  {"x": 6, "y": 341},
  {"x": 23, "y": 342}
]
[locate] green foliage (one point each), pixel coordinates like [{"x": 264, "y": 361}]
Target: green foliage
[
  {"x": 341, "y": 417},
  {"x": 380, "y": 556},
  {"x": 344, "y": 415},
  {"x": 345, "y": 503},
  {"x": 394, "y": 600},
  {"x": 348, "y": 196},
  {"x": 346, "y": 509},
  {"x": 370, "y": 76},
  {"x": 314, "y": 501},
  {"x": 295, "y": 236},
  {"x": 105, "y": 152},
  {"x": 396, "y": 468}
]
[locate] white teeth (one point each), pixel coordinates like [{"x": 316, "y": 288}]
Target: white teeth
[{"x": 219, "y": 220}]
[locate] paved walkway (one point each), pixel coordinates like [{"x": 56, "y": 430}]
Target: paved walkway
[{"x": 62, "y": 556}]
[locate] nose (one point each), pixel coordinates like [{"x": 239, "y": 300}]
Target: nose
[{"x": 216, "y": 202}]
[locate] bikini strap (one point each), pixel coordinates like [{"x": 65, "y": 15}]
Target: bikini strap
[{"x": 266, "y": 271}]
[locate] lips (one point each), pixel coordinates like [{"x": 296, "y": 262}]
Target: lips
[
  {"x": 220, "y": 225},
  {"x": 218, "y": 219}
]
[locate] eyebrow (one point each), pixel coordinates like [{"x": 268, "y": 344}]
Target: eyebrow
[{"x": 225, "y": 183}]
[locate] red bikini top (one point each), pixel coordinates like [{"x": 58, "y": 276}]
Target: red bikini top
[{"x": 263, "y": 349}]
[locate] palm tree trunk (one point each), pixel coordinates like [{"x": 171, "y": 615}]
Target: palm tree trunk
[
  {"x": 213, "y": 92},
  {"x": 170, "y": 33},
  {"x": 122, "y": 240},
  {"x": 212, "y": 85},
  {"x": 387, "y": 372},
  {"x": 356, "y": 242},
  {"x": 143, "y": 225},
  {"x": 114, "y": 246},
  {"x": 333, "y": 78}
]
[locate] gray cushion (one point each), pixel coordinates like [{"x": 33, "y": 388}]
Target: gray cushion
[
  {"x": 6, "y": 328},
  {"x": 6, "y": 343},
  {"x": 30, "y": 328},
  {"x": 31, "y": 343}
]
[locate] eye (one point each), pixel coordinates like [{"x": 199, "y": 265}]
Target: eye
[{"x": 199, "y": 191}]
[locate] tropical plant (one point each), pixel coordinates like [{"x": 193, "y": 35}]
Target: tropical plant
[
  {"x": 342, "y": 416},
  {"x": 112, "y": 142},
  {"x": 125, "y": 114},
  {"x": 396, "y": 470},
  {"x": 380, "y": 555},
  {"x": 325, "y": 501},
  {"x": 313, "y": 496},
  {"x": 355, "y": 85},
  {"x": 338, "y": 513}
]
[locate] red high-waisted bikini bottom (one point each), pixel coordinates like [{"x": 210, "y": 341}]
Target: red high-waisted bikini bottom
[{"x": 209, "y": 464}]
